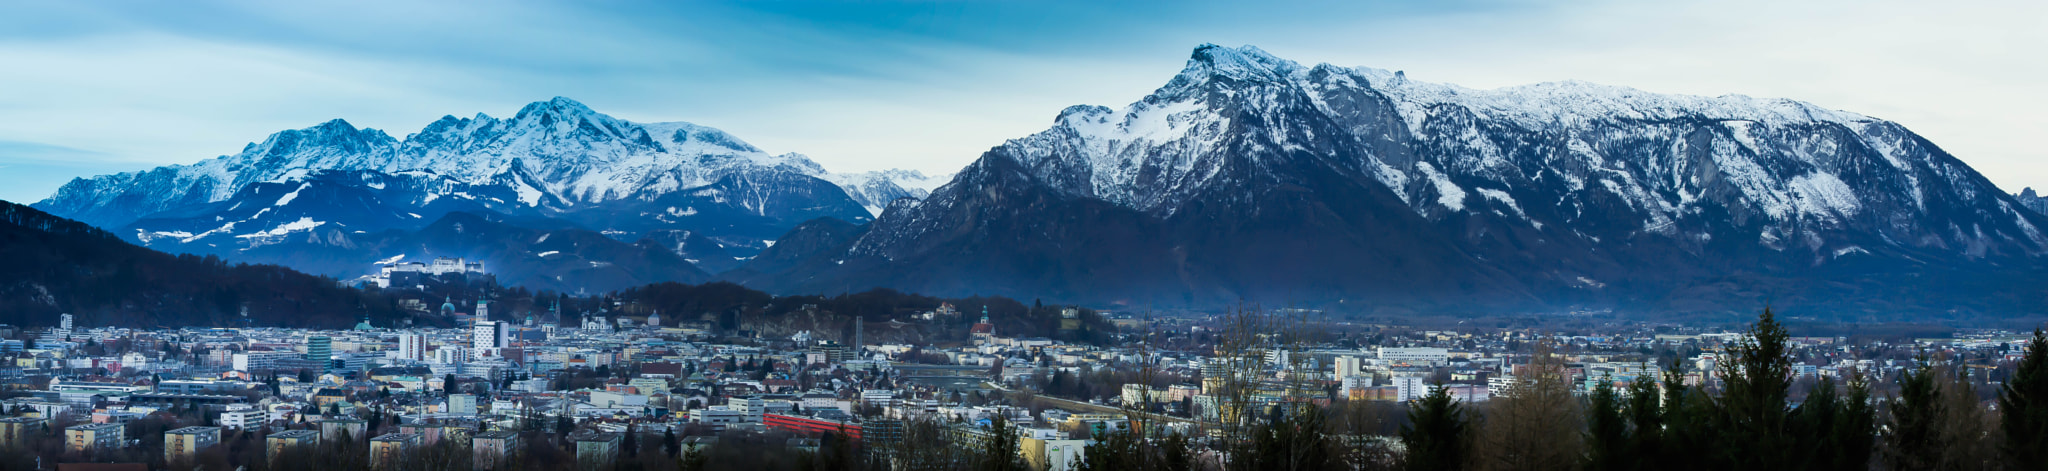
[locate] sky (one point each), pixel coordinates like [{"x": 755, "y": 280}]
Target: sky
[{"x": 90, "y": 88}]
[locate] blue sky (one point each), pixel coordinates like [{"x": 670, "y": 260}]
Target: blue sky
[{"x": 118, "y": 86}]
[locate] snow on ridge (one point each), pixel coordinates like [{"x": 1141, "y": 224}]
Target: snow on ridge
[
  {"x": 1539, "y": 105},
  {"x": 288, "y": 197},
  {"x": 303, "y": 224}
]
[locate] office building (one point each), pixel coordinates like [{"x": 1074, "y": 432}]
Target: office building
[
  {"x": 319, "y": 348},
  {"x": 411, "y": 346}
]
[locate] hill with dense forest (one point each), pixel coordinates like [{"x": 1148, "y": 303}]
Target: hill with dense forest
[{"x": 56, "y": 266}]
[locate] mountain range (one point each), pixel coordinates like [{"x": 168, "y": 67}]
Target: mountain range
[
  {"x": 333, "y": 198},
  {"x": 1246, "y": 177},
  {"x": 1251, "y": 177}
]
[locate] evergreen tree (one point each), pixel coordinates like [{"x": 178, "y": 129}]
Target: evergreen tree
[
  {"x": 1813, "y": 425},
  {"x": 1436, "y": 433},
  {"x": 1174, "y": 454},
  {"x": 1914, "y": 435},
  {"x": 630, "y": 444},
  {"x": 1646, "y": 424},
  {"x": 1856, "y": 427},
  {"x": 1687, "y": 435},
  {"x": 1292, "y": 440},
  {"x": 668, "y": 443},
  {"x": 2023, "y": 408},
  {"x": 999, "y": 448},
  {"x": 1607, "y": 442},
  {"x": 1752, "y": 407}
]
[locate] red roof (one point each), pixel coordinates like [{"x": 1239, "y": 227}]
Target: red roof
[{"x": 984, "y": 328}]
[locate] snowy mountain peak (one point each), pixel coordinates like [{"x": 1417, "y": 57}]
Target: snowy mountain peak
[
  {"x": 1791, "y": 170},
  {"x": 1240, "y": 63},
  {"x": 552, "y": 155}
]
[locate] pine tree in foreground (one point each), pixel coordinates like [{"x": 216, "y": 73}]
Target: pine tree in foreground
[
  {"x": 1752, "y": 407},
  {"x": 1607, "y": 441},
  {"x": 2023, "y": 407},
  {"x": 1436, "y": 433},
  {"x": 1913, "y": 440}
]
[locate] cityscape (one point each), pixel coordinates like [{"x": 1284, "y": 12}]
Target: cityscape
[
  {"x": 606, "y": 389},
  {"x": 816, "y": 235}
]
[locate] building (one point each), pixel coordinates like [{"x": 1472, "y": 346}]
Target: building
[
  {"x": 411, "y": 347},
  {"x": 488, "y": 336},
  {"x": 1408, "y": 388},
  {"x": 252, "y": 361},
  {"x": 1347, "y": 366},
  {"x": 243, "y": 417},
  {"x": 432, "y": 434},
  {"x": 493, "y": 450},
  {"x": 983, "y": 332},
  {"x": 1052, "y": 455},
  {"x": 409, "y": 273},
  {"x": 717, "y": 416},
  {"x": 462, "y": 404},
  {"x": 183, "y": 445},
  {"x": 597, "y": 450},
  {"x": 289, "y": 440},
  {"x": 390, "y": 450},
  {"x": 1415, "y": 355},
  {"x": 15, "y": 432},
  {"x": 335, "y": 429},
  {"x": 812, "y": 426},
  {"x": 319, "y": 348},
  {"x": 89, "y": 437}
]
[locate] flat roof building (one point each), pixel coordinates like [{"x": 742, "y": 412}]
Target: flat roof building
[
  {"x": 597, "y": 450},
  {"x": 287, "y": 441},
  {"x": 16, "y": 431},
  {"x": 182, "y": 445},
  {"x": 89, "y": 437},
  {"x": 494, "y": 450},
  {"x": 390, "y": 450}
]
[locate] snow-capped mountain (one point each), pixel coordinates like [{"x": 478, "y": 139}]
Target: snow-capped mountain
[
  {"x": 553, "y": 159},
  {"x": 876, "y": 189},
  {"x": 1250, "y": 176}
]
